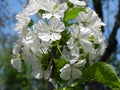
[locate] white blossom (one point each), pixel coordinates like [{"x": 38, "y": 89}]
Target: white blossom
[
  {"x": 33, "y": 6},
  {"x": 77, "y": 2},
  {"x": 80, "y": 38},
  {"x": 72, "y": 70},
  {"x": 53, "y": 9},
  {"x": 80, "y": 42},
  {"x": 37, "y": 71},
  {"x": 35, "y": 44},
  {"x": 17, "y": 47},
  {"x": 49, "y": 32},
  {"x": 35, "y": 64},
  {"x": 23, "y": 20},
  {"x": 89, "y": 19},
  {"x": 16, "y": 62}
]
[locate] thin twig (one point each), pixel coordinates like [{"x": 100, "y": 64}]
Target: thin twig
[{"x": 52, "y": 65}]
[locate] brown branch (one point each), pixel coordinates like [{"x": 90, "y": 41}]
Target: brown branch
[
  {"x": 98, "y": 8},
  {"x": 50, "y": 79},
  {"x": 112, "y": 42},
  {"x": 52, "y": 65}
]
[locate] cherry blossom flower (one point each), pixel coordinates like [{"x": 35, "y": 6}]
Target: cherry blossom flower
[
  {"x": 33, "y": 6},
  {"x": 35, "y": 44},
  {"x": 72, "y": 70},
  {"x": 23, "y": 20},
  {"x": 16, "y": 63},
  {"x": 49, "y": 32},
  {"x": 89, "y": 19},
  {"x": 53, "y": 9}
]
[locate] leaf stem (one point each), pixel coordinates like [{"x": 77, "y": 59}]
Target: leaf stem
[{"x": 60, "y": 51}]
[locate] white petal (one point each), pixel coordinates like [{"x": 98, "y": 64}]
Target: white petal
[
  {"x": 23, "y": 20},
  {"x": 17, "y": 48},
  {"x": 90, "y": 19},
  {"x": 75, "y": 30},
  {"x": 80, "y": 64},
  {"x": 44, "y": 36},
  {"x": 37, "y": 74},
  {"x": 71, "y": 43},
  {"x": 33, "y": 6},
  {"x": 57, "y": 16},
  {"x": 76, "y": 73},
  {"x": 73, "y": 61},
  {"x": 30, "y": 37},
  {"x": 77, "y": 2},
  {"x": 65, "y": 72},
  {"x": 61, "y": 9},
  {"x": 55, "y": 36},
  {"x": 85, "y": 33},
  {"x": 47, "y": 15},
  {"x": 82, "y": 17},
  {"x": 75, "y": 51},
  {"x": 40, "y": 27},
  {"x": 87, "y": 46},
  {"x": 47, "y": 5},
  {"x": 57, "y": 25},
  {"x": 16, "y": 64}
]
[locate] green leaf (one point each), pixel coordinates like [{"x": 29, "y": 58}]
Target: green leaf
[
  {"x": 59, "y": 63},
  {"x": 103, "y": 73},
  {"x": 30, "y": 23},
  {"x": 72, "y": 13},
  {"x": 65, "y": 37}
]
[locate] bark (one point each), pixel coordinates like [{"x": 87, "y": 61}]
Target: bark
[
  {"x": 50, "y": 79},
  {"x": 52, "y": 66},
  {"x": 98, "y": 8},
  {"x": 112, "y": 42}
]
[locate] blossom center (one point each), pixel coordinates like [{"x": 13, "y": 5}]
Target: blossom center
[{"x": 85, "y": 23}]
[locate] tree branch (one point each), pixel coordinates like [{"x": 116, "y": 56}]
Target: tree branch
[
  {"x": 50, "y": 79},
  {"x": 98, "y": 8},
  {"x": 112, "y": 42},
  {"x": 52, "y": 65}
]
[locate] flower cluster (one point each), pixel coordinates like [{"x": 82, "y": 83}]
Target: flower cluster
[{"x": 45, "y": 36}]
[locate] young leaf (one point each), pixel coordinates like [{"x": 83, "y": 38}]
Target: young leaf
[
  {"x": 30, "y": 23},
  {"x": 72, "y": 14},
  {"x": 59, "y": 63},
  {"x": 103, "y": 73}
]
